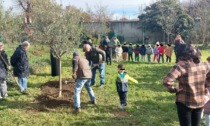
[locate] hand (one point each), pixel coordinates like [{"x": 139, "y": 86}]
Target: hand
[
  {"x": 178, "y": 89},
  {"x": 74, "y": 76}
]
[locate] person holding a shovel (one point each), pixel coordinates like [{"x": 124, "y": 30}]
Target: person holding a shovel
[
  {"x": 19, "y": 61},
  {"x": 3, "y": 71}
]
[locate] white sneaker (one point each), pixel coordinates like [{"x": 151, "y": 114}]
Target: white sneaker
[{"x": 121, "y": 106}]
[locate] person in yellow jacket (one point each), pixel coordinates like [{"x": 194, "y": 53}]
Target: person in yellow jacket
[
  {"x": 168, "y": 53},
  {"x": 121, "y": 79}
]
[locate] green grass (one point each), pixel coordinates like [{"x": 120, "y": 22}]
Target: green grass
[{"x": 149, "y": 104}]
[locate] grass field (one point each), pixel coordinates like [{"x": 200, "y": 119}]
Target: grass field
[{"x": 148, "y": 102}]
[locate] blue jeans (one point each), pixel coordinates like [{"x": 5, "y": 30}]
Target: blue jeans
[
  {"x": 22, "y": 83},
  {"x": 102, "y": 74},
  {"x": 79, "y": 85}
]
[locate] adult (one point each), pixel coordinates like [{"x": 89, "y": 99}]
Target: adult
[
  {"x": 88, "y": 41},
  {"x": 96, "y": 57},
  {"x": 115, "y": 42},
  {"x": 106, "y": 41},
  {"x": 178, "y": 40},
  {"x": 190, "y": 72},
  {"x": 19, "y": 61},
  {"x": 82, "y": 73},
  {"x": 4, "y": 64}
]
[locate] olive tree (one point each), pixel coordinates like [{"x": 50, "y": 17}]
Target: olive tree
[{"x": 58, "y": 28}]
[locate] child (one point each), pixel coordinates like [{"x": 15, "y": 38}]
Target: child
[
  {"x": 125, "y": 51},
  {"x": 149, "y": 53},
  {"x": 161, "y": 53},
  {"x": 156, "y": 52},
  {"x": 137, "y": 51},
  {"x": 121, "y": 80},
  {"x": 168, "y": 53},
  {"x": 118, "y": 52},
  {"x": 130, "y": 52}
]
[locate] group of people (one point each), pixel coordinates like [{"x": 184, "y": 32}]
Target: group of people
[
  {"x": 19, "y": 61},
  {"x": 192, "y": 74},
  {"x": 113, "y": 48}
]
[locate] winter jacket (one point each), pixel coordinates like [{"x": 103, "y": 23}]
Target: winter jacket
[
  {"x": 168, "y": 51},
  {"x": 3, "y": 66},
  {"x": 161, "y": 50},
  {"x": 115, "y": 42},
  {"x": 96, "y": 55},
  {"x": 130, "y": 49},
  {"x": 137, "y": 50},
  {"x": 143, "y": 50},
  {"x": 118, "y": 51},
  {"x": 149, "y": 51},
  {"x": 81, "y": 67},
  {"x": 122, "y": 83},
  {"x": 125, "y": 48},
  {"x": 19, "y": 61},
  {"x": 156, "y": 50}
]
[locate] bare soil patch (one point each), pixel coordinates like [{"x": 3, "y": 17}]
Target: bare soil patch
[{"x": 50, "y": 90}]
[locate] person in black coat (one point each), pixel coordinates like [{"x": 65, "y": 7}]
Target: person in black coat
[
  {"x": 19, "y": 61},
  {"x": 4, "y": 64}
]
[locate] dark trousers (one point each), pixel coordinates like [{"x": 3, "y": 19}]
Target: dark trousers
[
  {"x": 109, "y": 59},
  {"x": 123, "y": 97},
  {"x": 161, "y": 56},
  {"x": 130, "y": 56},
  {"x": 188, "y": 116},
  {"x": 168, "y": 59}
]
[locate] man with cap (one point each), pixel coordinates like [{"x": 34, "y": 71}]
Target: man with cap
[
  {"x": 4, "y": 64},
  {"x": 82, "y": 73},
  {"x": 96, "y": 57}
]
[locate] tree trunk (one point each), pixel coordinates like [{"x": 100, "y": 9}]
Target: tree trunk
[
  {"x": 168, "y": 35},
  {"x": 60, "y": 78}
]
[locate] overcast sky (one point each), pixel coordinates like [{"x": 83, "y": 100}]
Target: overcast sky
[{"x": 128, "y": 8}]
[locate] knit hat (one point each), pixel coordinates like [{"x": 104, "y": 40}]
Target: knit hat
[
  {"x": 115, "y": 35},
  {"x": 75, "y": 54},
  {"x": 157, "y": 43}
]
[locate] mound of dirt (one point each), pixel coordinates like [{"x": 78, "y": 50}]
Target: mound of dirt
[{"x": 50, "y": 90}]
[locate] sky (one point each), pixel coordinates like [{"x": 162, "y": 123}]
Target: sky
[{"x": 127, "y": 8}]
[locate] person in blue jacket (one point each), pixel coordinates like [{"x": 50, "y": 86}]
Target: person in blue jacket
[
  {"x": 121, "y": 80},
  {"x": 19, "y": 61}
]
